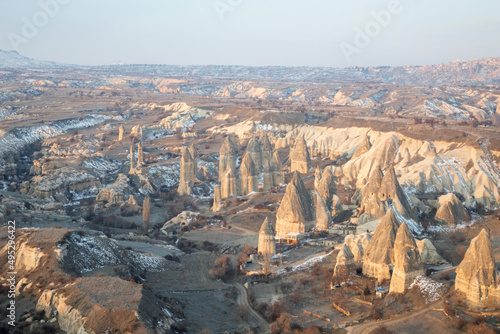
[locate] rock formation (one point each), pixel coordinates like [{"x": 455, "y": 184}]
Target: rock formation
[
  {"x": 371, "y": 205},
  {"x": 344, "y": 266},
  {"x": 326, "y": 186},
  {"x": 277, "y": 169},
  {"x": 140, "y": 157},
  {"x": 267, "y": 245},
  {"x": 428, "y": 253},
  {"x": 132, "y": 161},
  {"x": 114, "y": 193},
  {"x": 121, "y": 131},
  {"x": 295, "y": 214},
  {"x": 323, "y": 217},
  {"x": 254, "y": 150},
  {"x": 362, "y": 148},
  {"x": 227, "y": 158},
  {"x": 379, "y": 255},
  {"x": 249, "y": 176},
  {"x": 228, "y": 185},
  {"x": 357, "y": 244},
  {"x": 299, "y": 156},
  {"x": 266, "y": 149},
  {"x": 407, "y": 264},
  {"x": 336, "y": 205},
  {"x": 188, "y": 170},
  {"x": 217, "y": 199},
  {"x": 451, "y": 211},
  {"x": 477, "y": 276},
  {"x": 391, "y": 190}
]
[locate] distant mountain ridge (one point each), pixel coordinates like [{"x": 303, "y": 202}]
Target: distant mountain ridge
[{"x": 460, "y": 72}]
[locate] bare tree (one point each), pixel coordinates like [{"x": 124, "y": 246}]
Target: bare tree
[{"x": 146, "y": 212}]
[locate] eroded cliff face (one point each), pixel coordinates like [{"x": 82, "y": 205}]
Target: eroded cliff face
[{"x": 50, "y": 262}]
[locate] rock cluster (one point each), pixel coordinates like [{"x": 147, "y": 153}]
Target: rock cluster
[
  {"x": 407, "y": 264},
  {"x": 267, "y": 245},
  {"x": 477, "y": 276},
  {"x": 116, "y": 192},
  {"x": 189, "y": 168},
  {"x": 380, "y": 193},
  {"x": 295, "y": 214},
  {"x": 357, "y": 244},
  {"x": 299, "y": 157},
  {"x": 451, "y": 211}
]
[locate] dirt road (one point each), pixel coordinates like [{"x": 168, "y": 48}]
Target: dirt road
[
  {"x": 419, "y": 315},
  {"x": 254, "y": 318}
]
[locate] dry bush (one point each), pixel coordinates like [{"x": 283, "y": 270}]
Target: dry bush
[
  {"x": 481, "y": 328},
  {"x": 381, "y": 330},
  {"x": 146, "y": 213},
  {"x": 223, "y": 268}
]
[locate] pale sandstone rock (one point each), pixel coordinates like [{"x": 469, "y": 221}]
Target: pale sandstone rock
[
  {"x": 267, "y": 244},
  {"x": 428, "y": 253},
  {"x": 477, "y": 276},
  {"x": 189, "y": 168},
  {"x": 116, "y": 192},
  {"x": 299, "y": 156},
  {"x": 379, "y": 255},
  {"x": 249, "y": 176},
  {"x": 217, "y": 199},
  {"x": 451, "y": 211},
  {"x": 228, "y": 184},
  {"x": 323, "y": 217},
  {"x": 344, "y": 266},
  {"x": 407, "y": 264},
  {"x": 228, "y": 156},
  {"x": 295, "y": 214},
  {"x": 121, "y": 131}
]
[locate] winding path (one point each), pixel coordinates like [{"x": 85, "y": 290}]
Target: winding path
[{"x": 254, "y": 318}]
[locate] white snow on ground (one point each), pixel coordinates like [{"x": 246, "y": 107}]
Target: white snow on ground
[
  {"x": 306, "y": 264},
  {"x": 91, "y": 252},
  {"x": 16, "y": 139},
  {"x": 430, "y": 289}
]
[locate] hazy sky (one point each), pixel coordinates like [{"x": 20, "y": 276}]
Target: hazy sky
[{"x": 252, "y": 32}]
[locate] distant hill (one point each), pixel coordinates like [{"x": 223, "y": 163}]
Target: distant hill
[{"x": 460, "y": 72}]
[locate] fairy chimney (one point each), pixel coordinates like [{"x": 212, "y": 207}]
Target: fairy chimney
[
  {"x": 407, "y": 264},
  {"x": 299, "y": 156},
  {"x": 267, "y": 246},
  {"x": 344, "y": 266},
  {"x": 227, "y": 158},
  {"x": 477, "y": 275},
  {"x": 188, "y": 171},
  {"x": 132, "y": 160},
  {"x": 249, "y": 177},
  {"x": 323, "y": 217},
  {"x": 295, "y": 214},
  {"x": 379, "y": 255},
  {"x": 121, "y": 131},
  {"x": 228, "y": 186},
  {"x": 217, "y": 199}
]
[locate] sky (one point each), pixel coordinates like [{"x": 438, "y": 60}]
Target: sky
[{"x": 332, "y": 33}]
